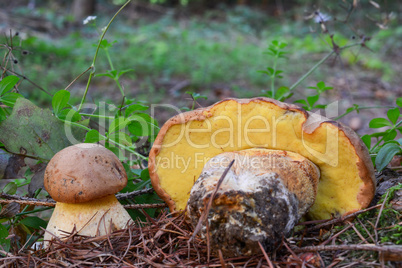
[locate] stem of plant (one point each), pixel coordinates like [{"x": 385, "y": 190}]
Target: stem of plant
[
  {"x": 98, "y": 116},
  {"x": 361, "y": 108},
  {"x": 273, "y": 77},
  {"x": 379, "y": 142},
  {"x": 105, "y": 138},
  {"x": 301, "y": 79},
  {"x": 34, "y": 211},
  {"x": 96, "y": 55}
]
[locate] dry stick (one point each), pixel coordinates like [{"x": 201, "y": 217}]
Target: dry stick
[
  {"x": 367, "y": 247},
  {"x": 265, "y": 255},
  {"x": 341, "y": 219},
  {"x": 118, "y": 196},
  {"x": 221, "y": 259},
  {"x": 378, "y": 218},
  {"x": 335, "y": 236},
  {"x": 72, "y": 82},
  {"x": 51, "y": 203},
  {"x": 364, "y": 227},
  {"x": 29, "y": 80},
  {"x": 364, "y": 240},
  {"x": 204, "y": 215},
  {"x": 134, "y": 193}
]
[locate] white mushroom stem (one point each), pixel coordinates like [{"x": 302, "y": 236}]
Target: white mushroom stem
[{"x": 94, "y": 218}]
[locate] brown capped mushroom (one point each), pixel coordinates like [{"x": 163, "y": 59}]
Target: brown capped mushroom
[
  {"x": 83, "y": 179},
  {"x": 188, "y": 141}
]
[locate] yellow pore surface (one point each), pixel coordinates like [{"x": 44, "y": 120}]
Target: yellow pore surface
[{"x": 231, "y": 126}]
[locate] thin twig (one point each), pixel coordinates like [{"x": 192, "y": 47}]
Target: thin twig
[
  {"x": 134, "y": 193},
  {"x": 29, "y": 80},
  {"x": 29, "y": 203},
  {"x": 75, "y": 79},
  {"x": 144, "y": 206},
  {"x": 341, "y": 219},
  {"x": 265, "y": 255},
  {"x": 368, "y": 247},
  {"x": 379, "y": 216},
  {"x": 8, "y": 198},
  {"x": 204, "y": 214}
]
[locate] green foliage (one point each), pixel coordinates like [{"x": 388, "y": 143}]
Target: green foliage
[
  {"x": 386, "y": 147},
  {"x": 310, "y": 102},
  {"x": 35, "y": 133},
  {"x": 277, "y": 51},
  {"x": 7, "y": 97},
  {"x": 4, "y": 240},
  {"x": 194, "y": 96}
]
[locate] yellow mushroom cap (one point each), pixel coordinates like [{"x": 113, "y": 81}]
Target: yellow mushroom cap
[
  {"x": 187, "y": 141},
  {"x": 84, "y": 172}
]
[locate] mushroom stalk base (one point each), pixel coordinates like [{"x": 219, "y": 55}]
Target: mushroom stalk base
[
  {"x": 94, "y": 218},
  {"x": 260, "y": 200}
]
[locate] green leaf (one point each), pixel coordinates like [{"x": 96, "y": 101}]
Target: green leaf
[
  {"x": 378, "y": 134},
  {"x": 32, "y": 131},
  {"x": 10, "y": 188},
  {"x": 10, "y": 98},
  {"x": 124, "y": 71},
  {"x": 60, "y": 100},
  {"x": 321, "y": 85},
  {"x": 93, "y": 136},
  {"x": 379, "y": 122},
  {"x": 304, "y": 102},
  {"x": 399, "y": 102},
  {"x": 105, "y": 44},
  {"x": 386, "y": 154},
  {"x": 118, "y": 124},
  {"x": 142, "y": 125},
  {"x": 354, "y": 107},
  {"x": 367, "y": 140},
  {"x": 7, "y": 83},
  {"x": 320, "y": 106},
  {"x": 108, "y": 74},
  {"x": 282, "y": 93},
  {"x": 135, "y": 107},
  {"x": 3, "y": 115},
  {"x": 122, "y": 138},
  {"x": 69, "y": 115},
  {"x": 4, "y": 241},
  {"x": 393, "y": 115},
  {"x": 312, "y": 100},
  {"x": 391, "y": 134},
  {"x": 34, "y": 222}
]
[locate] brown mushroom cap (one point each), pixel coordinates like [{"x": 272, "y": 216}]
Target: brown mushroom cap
[
  {"x": 84, "y": 172},
  {"x": 187, "y": 141}
]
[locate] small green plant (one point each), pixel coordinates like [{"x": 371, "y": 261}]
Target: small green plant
[
  {"x": 277, "y": 51},
  {"x": 385, "y": 147},
  {"x": 7, "y": 96},
  {"x": 194, "y": 97},
  {"x": 310, "y": 102},
  {"x": 33, "y": 133}
]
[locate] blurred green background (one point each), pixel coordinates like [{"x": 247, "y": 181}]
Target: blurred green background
[{"x": 215, "y": 48}]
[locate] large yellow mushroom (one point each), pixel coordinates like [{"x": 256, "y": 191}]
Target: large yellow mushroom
[
  {"x": 188, "y": 141},
  {"x": 83, "y": 179}
]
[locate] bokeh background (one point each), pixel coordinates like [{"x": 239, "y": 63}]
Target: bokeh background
[{"x": 213, "y": 48}]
